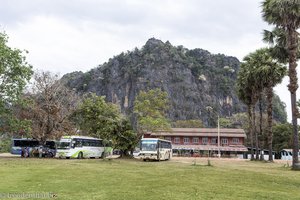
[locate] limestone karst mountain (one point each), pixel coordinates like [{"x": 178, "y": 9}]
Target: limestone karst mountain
[{"x": 194, "y": 80}]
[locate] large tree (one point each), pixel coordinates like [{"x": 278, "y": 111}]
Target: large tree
[
  {"x": 285, "y": 14},
  {"x": 248, "y": 92},
  {"x": 277, "y": 38},
  {"x": 259, "y": 72},
  {"x": 150, "y": 108},
  {"x": 283, "y": 136},
  {"x": 15, "y": 73},
  {"x": 97, "y": 118},
  {"x": 269, "y": 73},
  {"x": 51, "y": 106},
  {"x": 124, "y": 137}
]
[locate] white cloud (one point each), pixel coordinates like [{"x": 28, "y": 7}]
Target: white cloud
[{"x": 55, "y": 44}]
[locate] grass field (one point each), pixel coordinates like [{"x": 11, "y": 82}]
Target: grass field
[{"x": 133, "y": 179}]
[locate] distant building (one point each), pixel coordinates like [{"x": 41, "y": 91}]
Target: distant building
[{"x": 204, "y": 141}]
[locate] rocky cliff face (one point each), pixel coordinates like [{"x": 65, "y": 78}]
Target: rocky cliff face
[{"x": 194, "y": 80}]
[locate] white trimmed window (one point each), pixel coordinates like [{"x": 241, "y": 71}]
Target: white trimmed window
[
  {"x": 177, "y": 140},
  {"x": 224, "y": 141},
  {"x": 213, "y": 140},
  {"x": 186, "y": 140},
  {"x": 195, "y": 140},
  {"x": 205, "y": 140},
  {"x": 235, "y": 140}
]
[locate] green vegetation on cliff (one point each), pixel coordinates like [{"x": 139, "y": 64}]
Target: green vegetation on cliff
[{"x": 193, "y": 79}]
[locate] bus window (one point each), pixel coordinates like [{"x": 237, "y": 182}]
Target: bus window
[
  {"x": 98, "y": 143},
  {"x": 50, "y": 144},
  {"x": 78, "y": 142}
]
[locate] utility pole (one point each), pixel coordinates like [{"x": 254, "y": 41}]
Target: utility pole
[{"x": 219, "y": 154}]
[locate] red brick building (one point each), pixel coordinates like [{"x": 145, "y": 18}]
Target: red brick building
[{"x": 205, "y": 140}]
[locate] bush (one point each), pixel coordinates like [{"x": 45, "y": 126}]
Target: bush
[{"x": 5, "y": 145}]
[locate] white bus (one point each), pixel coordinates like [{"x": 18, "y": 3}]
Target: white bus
[
  {"x": 155, "y": 149},
  {"x": 287, "y": 154},
  {"x": 80, "y": 147}
]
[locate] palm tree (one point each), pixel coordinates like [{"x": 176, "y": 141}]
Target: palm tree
[
  {"x": 260, "y": 100},
  {"x": 270, "y": 73},
  {"x": 259, "y": 72},
  {"x": 277, "y": 38},
  {"x": 248, "y": 94},
  {"x": 285, "y": 14}
]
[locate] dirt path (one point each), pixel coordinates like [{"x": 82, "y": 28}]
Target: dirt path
[
  {"x": 8, "y": 155},
  {"x": 224, "y": 160}
]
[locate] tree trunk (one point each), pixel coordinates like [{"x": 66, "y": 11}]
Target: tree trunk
[
  {"x": 251, "y": 130},
  {"x": 292, "y": 41},
  {"x": 125, "y": 154},
  {"x": 260, "y": 126},
  {"x": 270, "y": 121},
  {"x": 256, "y": 135}
]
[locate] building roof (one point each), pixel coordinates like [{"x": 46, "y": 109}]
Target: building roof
[
  {"x": 211, "y": 147},
  {"x": 209, "y": 132}
]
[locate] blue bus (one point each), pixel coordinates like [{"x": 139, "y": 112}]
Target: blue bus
[{"x": 49, "y": 149}]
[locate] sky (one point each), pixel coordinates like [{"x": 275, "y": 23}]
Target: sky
[{"x": 78, "y": 35}]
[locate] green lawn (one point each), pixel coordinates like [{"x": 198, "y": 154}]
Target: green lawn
[{"x": 133, "y": 179}]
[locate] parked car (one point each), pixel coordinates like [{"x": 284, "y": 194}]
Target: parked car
[
  {"x": 49, "y": 149},
  {"x": 136, "y": 153}
]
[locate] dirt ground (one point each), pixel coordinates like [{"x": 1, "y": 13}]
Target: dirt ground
[
  {"x": 204, "y": 159},
  {"x": 177, "y": 159},
  {"x": 8, "y": 155}
]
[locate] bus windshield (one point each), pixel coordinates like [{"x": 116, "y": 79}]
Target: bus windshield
[
  {"x": 63, "y": 145},
  {"x": 148, "y": 145}
]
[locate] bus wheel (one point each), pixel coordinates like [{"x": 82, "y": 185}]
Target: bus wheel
[{"x": 80, "y": 155}]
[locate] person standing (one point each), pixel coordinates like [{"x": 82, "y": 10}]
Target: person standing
[
  {"x": 22, "y": 152},
  {"x": 40, "y": 151},
  {"x": 26, "y": 152}
]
